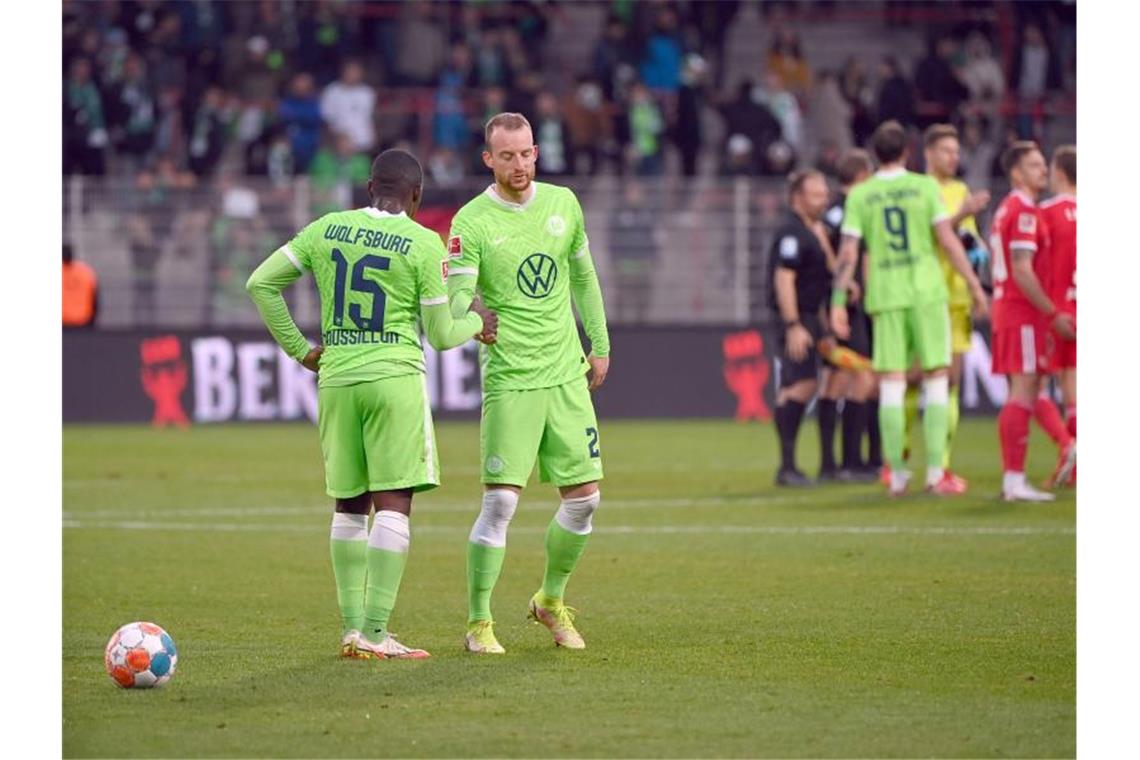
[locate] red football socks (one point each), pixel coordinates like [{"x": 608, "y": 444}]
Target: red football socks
[
  {"x": 1013, "y": 430},
  {"x": 1071, "y": 419},
  {"x": 1049, "y": 418}
]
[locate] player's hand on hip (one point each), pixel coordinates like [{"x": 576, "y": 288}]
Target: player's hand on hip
[
  {"x": 599, "y": 368},
  {"x": 839, "y": 324},
  {"x": 490, "y": 322},
  {"x": 312, "y": 360},
  {"x": 1065, "y": 326},
  {"x": 798, "y": 342}
]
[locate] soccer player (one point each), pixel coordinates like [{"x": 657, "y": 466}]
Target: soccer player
[
  {"x": 377, "y": 272},
  {"x": 941, "y": 151},
  {"x": 1060, "y": 214},
  {"x": 799, "y": 274},
  {"x": 856, "y": 386},
  {"x": 1023, "y": 315},
  {"x": 894, "y": 213},
  {"x": 522, "y": 245}
]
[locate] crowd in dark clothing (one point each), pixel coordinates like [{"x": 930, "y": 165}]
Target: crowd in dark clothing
[{"x": 281, "y": 89}]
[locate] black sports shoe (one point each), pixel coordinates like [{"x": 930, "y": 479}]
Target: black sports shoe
[
  {"x": 793, "y": 478},
  {"x": 829, "y": 475}
]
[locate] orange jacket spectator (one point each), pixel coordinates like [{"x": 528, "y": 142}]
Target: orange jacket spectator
[{"x": 80, "y": 292}]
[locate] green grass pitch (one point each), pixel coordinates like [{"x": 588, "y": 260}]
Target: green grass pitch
[{"x": 723, "y": 616}]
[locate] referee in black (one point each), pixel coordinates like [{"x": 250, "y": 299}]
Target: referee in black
[{"x": 800, "y": 280}]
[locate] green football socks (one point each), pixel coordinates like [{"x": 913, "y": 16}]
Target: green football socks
[
  {"x": 349, "y": 570},
  {"x": 952, "y": 412},
  {"x": 385, "y": 570},
  {"x": 563, "y": 549},
  {"x": 484, "y": 563}
]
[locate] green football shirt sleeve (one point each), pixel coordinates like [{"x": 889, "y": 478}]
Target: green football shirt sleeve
[
  {"x": 463, "y": 251},
  {"x": 853, "y": 216},
  {"x": 264, "y": 286},
  {"x": 442, "y": 329},
  {"x": 585, "y": 288},
  {"x": 300, "y": 249},
  {"x": 935, "y": 204}
]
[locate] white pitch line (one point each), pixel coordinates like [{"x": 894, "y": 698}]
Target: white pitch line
[{"x": 781, "y": 530}]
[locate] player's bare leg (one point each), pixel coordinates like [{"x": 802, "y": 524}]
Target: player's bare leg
[
  {"x": 486, "y": 548},
  {"x": 1049, "y": 418},
  {"x": 1013, "y": 430},
  {"x": 790, "y": 404},
  {"x": 566, "y": 538},
  {"x": 387, "y": 555},
  {"x": 348, "y": 544}
]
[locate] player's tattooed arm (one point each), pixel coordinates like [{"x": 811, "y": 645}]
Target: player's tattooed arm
[
  {"x": 956, "y": 255},
  {"x": 1021, "y": 268},
  {"x": 844, "y": 276}
]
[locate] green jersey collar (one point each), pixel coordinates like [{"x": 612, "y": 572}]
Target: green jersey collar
[
  {"x": 490, "y": 191},
  {"x": 890, "y": 173}
]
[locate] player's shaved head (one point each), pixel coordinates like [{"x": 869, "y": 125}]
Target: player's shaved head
[
  {"x": 889, "y": 142},
  {"x": 397, "y": 176},
  {"x": 506, "y": 121},
  {"x": 1016, "y": 151},
  {"x": 1065, "y": 159},
  {"x": 854, "y": 163}
]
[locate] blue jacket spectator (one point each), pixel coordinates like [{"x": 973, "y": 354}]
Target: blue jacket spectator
[
  {"x": 661, "y": 64},
  {"x": 300, "y": 114}
]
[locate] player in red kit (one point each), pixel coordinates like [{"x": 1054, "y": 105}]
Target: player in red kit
[
  {"x": 1060, "y": 213},
  {"x": 1023, "y": 319}
]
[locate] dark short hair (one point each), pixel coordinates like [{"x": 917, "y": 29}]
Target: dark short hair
[
  {"x": 852, "y": 163},
  {"x": 889, "y": 142},
  {"x": 1065, "y": 157},
  {"x": 936, "y": 132},
  {"x": 1016, "y": 151},
  {"x": 396, "y": 173},
  {"x": 798, "y": 178},
  {"x": 507, "y": 121}
]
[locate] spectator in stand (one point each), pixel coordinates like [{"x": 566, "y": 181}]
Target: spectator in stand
[
  {"x": 831, "y": 114},
  {"x": 300, "y": 116},
  {"x": 939, "y": 89},
  {"x": 207, "y": 137},
  {"x": 786, "y": 60},
  {"x": 133, "y": 114},
  {"x": 982, "y": 75},
  {"x": 1034, "y": 74},
  {"x": 739, "y": 157},
  {"x": 646, "y": 126},
  {"x": 589, "y": 125},
  {"x": 449, "y": 122},
  {"x": 80, "y": 292},
  {"x": 492, "y": 68},
  {"x": 690, "y": 103},
  {"x": 550, "y": 135},
  {"x": 660, "y": 66},
  {"x": 896, "y": 97},
  {"x": 747, "y": 118},
  {"x": 613, "y": 52},
  {"x": 422, "y": 47},
  {"x": 784, "y": 107},
  {"x": 860, "y": 96},
  {"x": 977, "y": 153},
  {"x": 84, "y": 129},
  {"x": 445, "y": 168},
  {"x": 339, "y": 174},
  {"x": 347, "y": 106}
]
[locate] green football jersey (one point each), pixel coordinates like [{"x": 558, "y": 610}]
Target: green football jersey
[
  {"x": 526, "y": 259},
  {"x": 894, "y": 213},
  {"x": 373, "y": 270}
]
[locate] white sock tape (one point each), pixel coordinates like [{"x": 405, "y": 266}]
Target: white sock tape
[{"x": 490, "y": 528}]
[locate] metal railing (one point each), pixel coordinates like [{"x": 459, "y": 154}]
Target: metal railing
[{"x": 170, "y": 253}]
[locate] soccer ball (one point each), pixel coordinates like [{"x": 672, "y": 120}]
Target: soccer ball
[{"x": 140, "y": 655}]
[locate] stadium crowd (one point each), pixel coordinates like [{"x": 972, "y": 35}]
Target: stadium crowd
[{"x": 181, "y": 88}]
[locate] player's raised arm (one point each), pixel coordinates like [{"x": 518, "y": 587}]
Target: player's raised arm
[
  {"x": 280, "y": 270},
  {"x": 586, "y": 292}
]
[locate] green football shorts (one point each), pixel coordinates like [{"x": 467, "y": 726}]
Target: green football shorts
[
  {"x": 377, "y": 436},
  {"x": 556, "y": 426},
  {"x": 919, "y": 332}
]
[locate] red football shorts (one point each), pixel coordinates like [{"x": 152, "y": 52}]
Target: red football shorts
[
  {"x": 1023, "y": 349},
  {"x": 1064, "y": 353}
]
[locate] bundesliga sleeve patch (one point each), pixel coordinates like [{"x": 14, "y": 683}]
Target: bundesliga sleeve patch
[
  {"x": 454, "y": 247},
  {"x": 443, "y": 266},
  {"x": 1027, "y": 223},
  {"x": 789, "y": 247}
]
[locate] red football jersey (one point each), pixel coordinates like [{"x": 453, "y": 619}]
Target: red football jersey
[
  {"x": 1017, "y": 224},
  {"x": 1060, "y": 214}
]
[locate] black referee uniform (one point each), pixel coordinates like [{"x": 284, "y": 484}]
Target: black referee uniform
[{"x": 796, "y": 247}]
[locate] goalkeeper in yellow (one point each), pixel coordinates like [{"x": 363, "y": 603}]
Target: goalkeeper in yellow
[
  {"x": 941, "y": 151},
  {"x": 522, "y": 246}
]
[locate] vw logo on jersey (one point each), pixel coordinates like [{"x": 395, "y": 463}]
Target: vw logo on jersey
[
  {"x": 536, "y": 275},
  {"x": 556, "y": 226}
]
